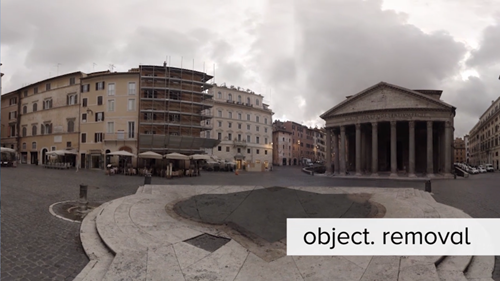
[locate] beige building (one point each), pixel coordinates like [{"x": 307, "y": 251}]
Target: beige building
[
  {"x": 319, "y": 144},
  {"x": 243, "y": 124},
  {"x": 388, "y": 128},
  {"x": 48, "y": 117},
  {"x": 10, "y": 120},
  {"x": 484, "y": 138},
  {"x": 459, "y": 148},
  {"x": 282, "y": 144},
  {"x": 108, "y": 116}
]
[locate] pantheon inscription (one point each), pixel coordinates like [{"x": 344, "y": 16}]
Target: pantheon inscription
[{"x": 384, "y": 115}]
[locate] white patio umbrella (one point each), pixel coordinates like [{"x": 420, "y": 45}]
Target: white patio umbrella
[
  {"x": 200, "y": 157},
  {"x": 6, "y": 149},
  {"x": 121, "y": 153},
  {"x": 150, "y": 155},
  {"x": 176, "y": 156}
]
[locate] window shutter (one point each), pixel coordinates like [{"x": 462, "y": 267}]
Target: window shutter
[
  {"x": 103, "y": 116},
  {"x": 103, "y": 85},
  {"x": 67, "y": 100},
  {"x": 96, "y": 86},
  {"x": 95, "y": 115},
  {"x": 50, "y": 102}
]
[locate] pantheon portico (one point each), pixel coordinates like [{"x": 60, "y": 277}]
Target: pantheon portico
[{"x": 390, "y": 129}]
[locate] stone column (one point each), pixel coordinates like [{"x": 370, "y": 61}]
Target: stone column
[
  {"x": 374, "y": 149},
  {"x": 394, "y": 164},
  {"x": 329, "y": 150},
  {"x": 358, "y": 149},
  {"x": 411, "y": 173},
  {"x": 342, "y": 151},
  {"x": 447, "y": 148},
  {"x": 430, "y": 160},
  {"x": 336, "y": 152}
]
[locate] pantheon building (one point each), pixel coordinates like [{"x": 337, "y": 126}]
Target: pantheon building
[{"x": 390, "y": 130}]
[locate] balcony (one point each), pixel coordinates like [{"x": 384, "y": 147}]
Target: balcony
[
  {"x": 120, "y": 136},
  {"x": 239, "y": 143}
]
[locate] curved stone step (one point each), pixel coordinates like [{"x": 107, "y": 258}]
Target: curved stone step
[
  {"x": 99, "y": 255},
  {"x": 453, "y": 267}
]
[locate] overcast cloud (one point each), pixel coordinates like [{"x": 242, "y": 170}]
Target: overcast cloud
[{"x": 303, "y": 58}]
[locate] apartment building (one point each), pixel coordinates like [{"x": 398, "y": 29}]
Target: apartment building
[
  {"x": 303, "y": 143},
  {"x": 282, "y": 145},
  {"x": 10, "y": 120},
  {"x": 484, "y": 138},
  {"x": 174, "y": 110},
  {"x": 48, "y": 117},
  {"x": 467, "y": 152},
  {"x": 242, "y": 123},
  {"x": 319, "y": 144},
  {"x": 459, "y": 150},
  {"x": 108, "y": 117}
]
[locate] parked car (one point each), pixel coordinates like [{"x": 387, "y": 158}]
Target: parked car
[
  {"x": 489, "y": 168},
  {"x": 474, "y": 170},
  {"x": 482, "y": 169}
]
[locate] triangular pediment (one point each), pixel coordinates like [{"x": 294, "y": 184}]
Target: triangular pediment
[{"x": 384, "y": 96}]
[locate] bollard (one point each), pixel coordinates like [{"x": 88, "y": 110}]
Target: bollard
[
  {"x": 428, "y": 186},
  {"x": 83, "y": 197},
  {"x": 147, "y": 179}
]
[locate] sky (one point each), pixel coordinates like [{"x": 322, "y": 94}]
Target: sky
[{"x": 303, "y": 56}]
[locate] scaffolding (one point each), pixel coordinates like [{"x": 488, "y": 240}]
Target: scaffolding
[{"x": 175, "y": 109}]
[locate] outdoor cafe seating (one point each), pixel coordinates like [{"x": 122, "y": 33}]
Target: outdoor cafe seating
[{"x": 57, "y": 165}]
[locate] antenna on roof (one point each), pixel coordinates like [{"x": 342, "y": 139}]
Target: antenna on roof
[
  {"x": 112, "y": 66},
  {"x": 57, "y": 73},
  {"x": 93, "y": 66}
]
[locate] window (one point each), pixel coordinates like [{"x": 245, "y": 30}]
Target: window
[
  {"x": 248, "y": 138},
  {"x": 84, "y": 102},
  {"x": 230, "y": 115},
  {"x": 47, "y": 104},
  {"x": 47, "y": 87},
  {"x": 265, "y": 121},
  {"x": 111, "y": 105},
  {"x": 111, "y": 89},
  {"x": 239, "y": 137},
  {"x": 84, "y": 137},
  {"x": 99, "y": 116},
  {"x": 25, "y": 131},
  {"x": 227, "y": 148},
  {"x": 248, "y": 101},
  {"x": 97, "y": 137},
  {"x": 239, "y": 150},
  {"x": 13, "y": 101},
  {"x": 12, "y": 115},
  {"x": 239, "y": 98},
  {"x": 35, "y": 90},
  {"x": 257, "y": 139},
  {"x": 12, "y": 130},
  {"x": 257, "y": 119},
  {"x": 131, "y": 88},
  {"x": 257, "y": 151},
  {"x": 68, "y": 144},
  {"x": 219, "y": 95},
  {"x": 239, "y": 125},
  {"x": 265, "y": 130},
  {"x": 99, "y": 86},
  {"x": 71, "y": 126},
  {"x": 111, "y": 127},
  {"x": 71, "y": 99},
  {"x": 257, "y": 128},
  {"x": 24, "y": 146},
  {"x": 257, "y": 101},
  {"x": 219, "y": 136},
  {"x": 248, "y": 127},
  {"x": 33, "y": 145},
  {"x": 219, "y": 148},
  {"x": 99, "y": 100},
  {"x": 248, "y": 117},
  {"x": 131, "y": 104},
  {"x": 220, "y": 123},
  {"x": 85, "y": 88},
  {"x": 229, "y": 124},
  {"x": 239, "y": 116},
  {"x": 72, "y": 81},
  {"x": 25, "y": 93},
  {"x": 219, "y": 113},
  {"x": 229, "y": 136},
  {"x": 84, "y": 117},
  {"x": 174, "y": 117},
  {"x": 131, "y": 129},
  {"x": 265, "y": 152},
  {"x": 33, "y": 130},
  {"x": 265, "y": 141},
  {"x": 230, "y": 97},
  {"x": 248, "y": 150}
]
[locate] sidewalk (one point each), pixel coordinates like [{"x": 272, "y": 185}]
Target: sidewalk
[{"x": 152, "y": 235}]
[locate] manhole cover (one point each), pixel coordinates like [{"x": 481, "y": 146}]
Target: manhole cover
[{"x": 208, "y": 242}]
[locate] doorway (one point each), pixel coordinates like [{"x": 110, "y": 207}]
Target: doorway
[
  {"x": 284, "y": 161},
  {"x": 94, "y": 161},
  {"x": 34, "y": 158},
  {"x": 44, "y": 156}
]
